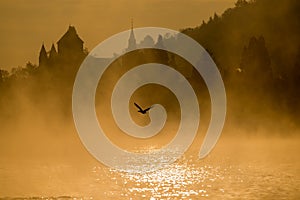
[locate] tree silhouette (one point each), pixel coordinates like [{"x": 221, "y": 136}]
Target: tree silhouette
[
  {"x": 241, "y": 3},
  {"x": 255, "y": 59},
  {"x": 4, "y": 75}
]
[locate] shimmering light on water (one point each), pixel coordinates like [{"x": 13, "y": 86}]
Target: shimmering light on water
[
  {"x": 176, "y": 181},
  {"x": 184, "y": 180},
  {"x": 265, "y": 172},
  {"x": 246, "y": 170}
]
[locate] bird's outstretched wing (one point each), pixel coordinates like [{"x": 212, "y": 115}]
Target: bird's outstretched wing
[
  {"x": 147, "y": 109},
  {"x": 138, "y": 106}
]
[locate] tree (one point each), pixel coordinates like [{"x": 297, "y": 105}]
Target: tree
[
  {"x": 4, "y": 75},
  {"x": 30, "y": 68},
  {"x": 241, "y": 3},
  {"x": 19, "y": 73},
  {"x": 256, "y": 61}
]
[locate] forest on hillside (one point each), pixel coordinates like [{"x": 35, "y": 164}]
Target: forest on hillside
[{"x": 256, "y": 45}]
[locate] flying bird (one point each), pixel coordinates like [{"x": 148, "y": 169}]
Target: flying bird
[{"x": 141, "y": 110}]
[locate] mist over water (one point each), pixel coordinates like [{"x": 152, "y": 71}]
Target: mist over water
[
  {"x": 238, "y": 168},
  {"x": 42, "y": 156}
]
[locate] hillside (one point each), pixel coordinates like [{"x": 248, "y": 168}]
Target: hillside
[{"x": 256, "y": 45}]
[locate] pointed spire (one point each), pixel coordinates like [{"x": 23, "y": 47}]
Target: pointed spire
[
  {"x": 131, "y": 41},
  {"x": 52, "y": 50},
  {"x": 43, "y": 58},
  {"x": 52, "y": 54},
  {"x": 43, "y": 49}
]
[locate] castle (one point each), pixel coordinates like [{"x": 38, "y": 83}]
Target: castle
[{"x": 69, "y": 50}]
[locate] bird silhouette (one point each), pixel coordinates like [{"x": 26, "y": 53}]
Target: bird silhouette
[{"x": 141, "y": 110}]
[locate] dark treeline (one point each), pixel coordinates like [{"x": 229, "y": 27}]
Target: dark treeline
[{"x": 256, "y": 46}]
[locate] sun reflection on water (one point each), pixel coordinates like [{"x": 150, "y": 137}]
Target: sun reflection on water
[{"x": 184, "y": 179}]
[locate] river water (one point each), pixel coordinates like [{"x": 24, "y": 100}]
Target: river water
[{"x": 247, "y": 168}]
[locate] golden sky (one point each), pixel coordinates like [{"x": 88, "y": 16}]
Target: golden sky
[{"x": 26, "y": 24}]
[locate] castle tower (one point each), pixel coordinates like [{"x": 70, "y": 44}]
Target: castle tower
[
  {"x": 131, "y": 40},
  {"x": 70, "y": 45},
  {"x": 43, "y": 58},
  {"x": 52, "y": 55}
]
